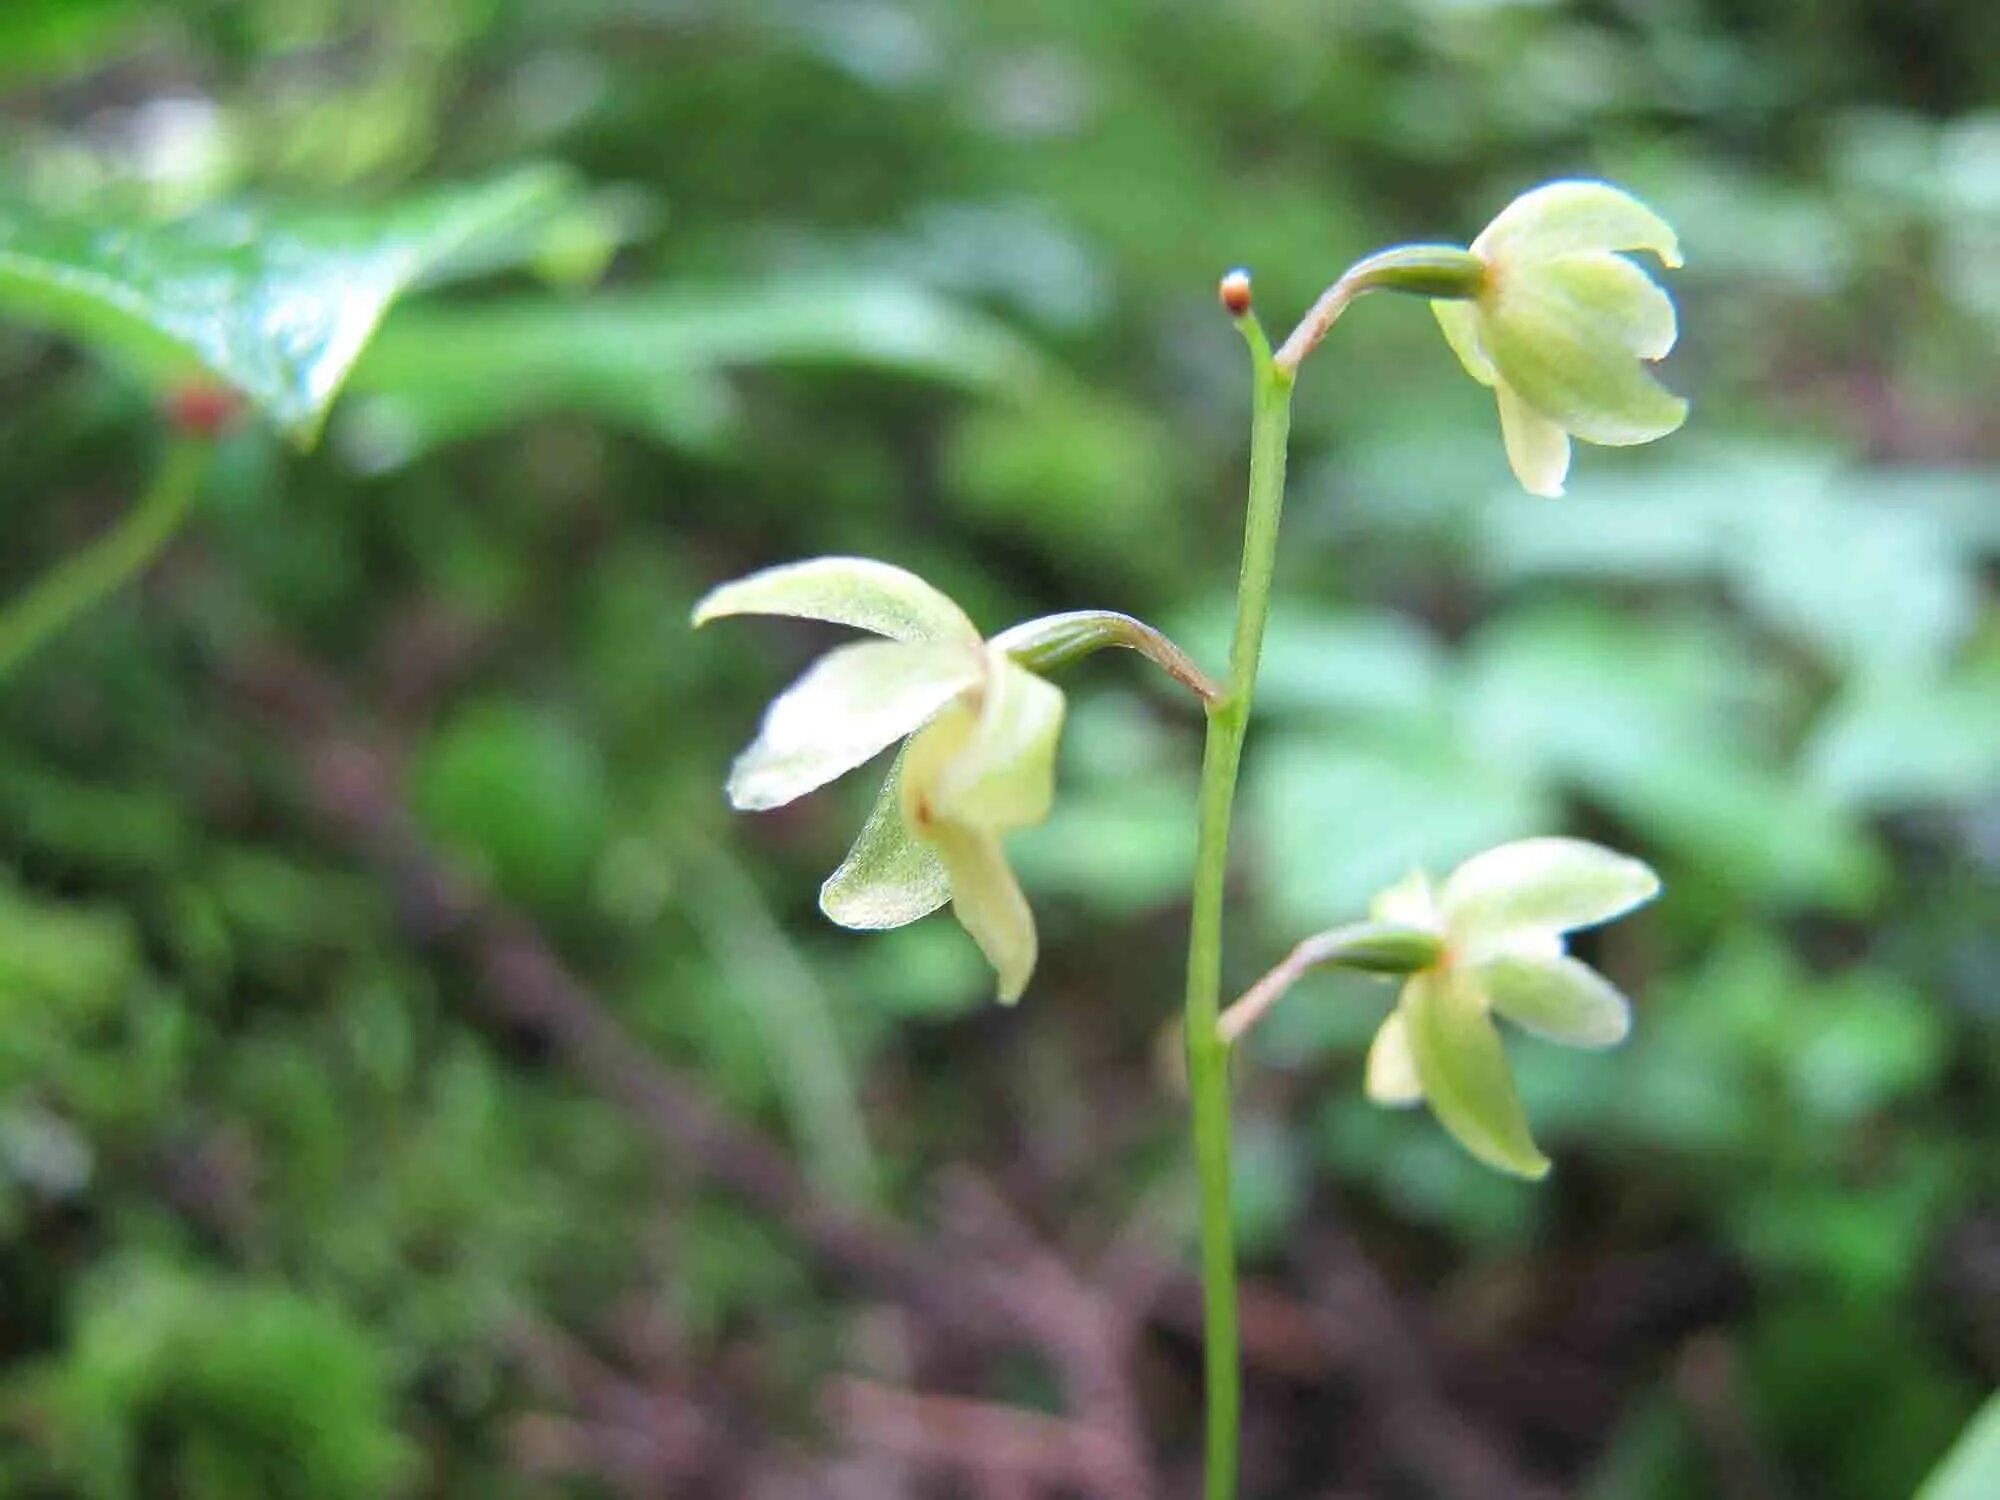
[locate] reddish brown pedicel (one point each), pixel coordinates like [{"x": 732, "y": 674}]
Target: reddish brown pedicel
[
  {"x": 1235, "y": 292},
  {"x": 201, "y": 409}
]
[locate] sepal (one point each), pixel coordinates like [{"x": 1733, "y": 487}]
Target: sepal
[{"x": 857, "y": 591}]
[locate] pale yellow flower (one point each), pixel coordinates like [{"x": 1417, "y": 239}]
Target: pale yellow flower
[
  {"x": 1499, "y": 919},
  {"x": 979, "y": 762},
  {"x": 1563, "y": 324}
]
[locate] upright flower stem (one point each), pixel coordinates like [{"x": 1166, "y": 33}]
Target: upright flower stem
[
  {"x": 1208, "y": 1051},
  {"x": 87, "y": 577}
]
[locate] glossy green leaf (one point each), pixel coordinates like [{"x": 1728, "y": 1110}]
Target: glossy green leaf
[{"x": 278, "y": 303}]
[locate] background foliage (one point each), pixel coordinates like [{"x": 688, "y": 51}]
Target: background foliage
[{"x": 313, "y": 1183}]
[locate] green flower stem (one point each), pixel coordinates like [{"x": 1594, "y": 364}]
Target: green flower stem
[
  {"x": 1379, "y": 948},
  {"x": 1208, "y": 1051},
  {"x": 100, "y": 569}
]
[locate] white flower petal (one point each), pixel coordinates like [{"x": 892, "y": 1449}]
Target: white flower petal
[
  {"x": 1460, "y": 321},
  {"x": 1560, "y": 218},
  {"x": 1392, "y": 1068},
  {"x": 988, "y": 903},
  {"x": 1557, "y": 998},
  {"x": 1464, "y": 1072},
  {"x": 848, "y": 707},
  {"x": 1541, "y": 885},
  {"x": 889, "y": 878},
  {"x": 855, "y": 591},
  {"x": 1537, "y": 449}
]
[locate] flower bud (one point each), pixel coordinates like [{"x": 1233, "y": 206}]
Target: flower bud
[{"x": 1235, "y": 293}]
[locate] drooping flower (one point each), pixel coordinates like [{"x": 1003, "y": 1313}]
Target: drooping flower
[
  {"x": 1562, "y": 322},
  {"x": 979, "y": 762},
  {"x": 1500, "y": 919}
]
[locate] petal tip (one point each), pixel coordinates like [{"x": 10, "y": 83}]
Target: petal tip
[
  {"x": 750, "y": 790},
  {"x": 1532, "y": 1170},
  {"x": 749, "y": 798}
]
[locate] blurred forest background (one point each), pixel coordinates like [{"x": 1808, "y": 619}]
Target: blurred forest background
[{"x": 415, "y": 1082}]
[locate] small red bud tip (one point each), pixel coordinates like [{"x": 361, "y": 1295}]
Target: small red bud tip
[
  {"x": 202, "y": 410},
  {"x": 1235, "y": 292}
]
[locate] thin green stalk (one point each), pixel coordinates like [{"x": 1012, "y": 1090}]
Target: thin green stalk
[
  {"x": 85, "y": 578},
  {"x": 1208, "y": 1052}
]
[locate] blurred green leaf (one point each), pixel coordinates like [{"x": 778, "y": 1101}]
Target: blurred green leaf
[
  {"x": 1876, "y": 573},
  {"x": 1337, "y": 817},
  {"x": 1875, "y": 589},
  {"x": 927, "y": 971},
  {"x": 61, "y": 34},
  {"x": 1668, "y": 722},
  {"x": 1421, "y": 1173},
  {"x": 1330, "y": 662},
  {"x": 1856, "y": 1406},
  {"x": 276, "y": 302},
  {"x": 1090, "y": 475},
  {"x": 515, "y": 791},
  {"x": 1120, "y": 848},
  {"x": 1268, "y": 1191},
  {"x": 1866, "y": 1041},
  {"x": 1905, "y": 742},
  {"x": 232, "y": 1390},
  {"x": 652, "y": 360}
]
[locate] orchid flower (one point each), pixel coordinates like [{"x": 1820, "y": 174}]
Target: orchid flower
[
  {"x": 1489, "y": 939},
  {"x": 979, "y": 761},
  {"x": 1559, "y": 324},
  {"x": 1499, "y": 920}
]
